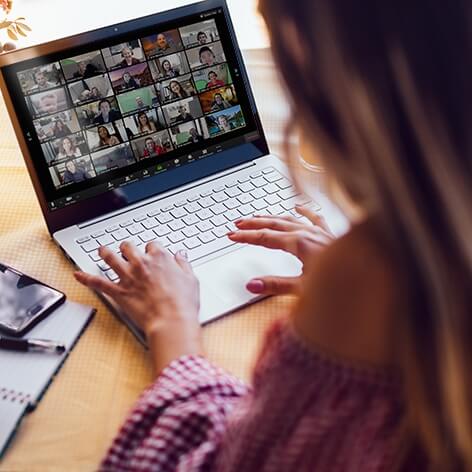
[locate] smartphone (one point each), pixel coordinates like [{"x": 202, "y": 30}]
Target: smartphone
[{"x": 24, "y": 301}]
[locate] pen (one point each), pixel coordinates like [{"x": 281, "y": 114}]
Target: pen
[{"x": 31, "y": 345}]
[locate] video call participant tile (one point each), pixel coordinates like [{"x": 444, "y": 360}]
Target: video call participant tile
[
  {"x": 176, "y": 89},
  {"x": 123, "y": 55},
  {"x": 144, "y": 122},
  {"x": 199, "y": 34},
  {"x": 57, "y": 126},
  {"x": 48, "y": 102},
  {"x": 72, "y": 171},
  {"x": 106, "y": 135},
  {"x": 152, "y": 145},
  {"x": 189, "y": 133},
  {"x": 213, "y": 77},
  {"x": 218, "y": 99},
  {"x": 112, "y": 158},
  {"x": 161, "y": 44},
  {"x": 88, "y": 90},
  {"x": 41, "y": 78},
  {"x": 84, "y": 66},
  {"x": 68, "y": 147},
  {"x": 181, "y": 111},
  {"x": 138, "y": 100},
  {"x": 169, "y": 67},
  {"x": 206, "y": 56},
  {"x": 98, "y": 113},
  {"x": 225, "y": 121},
  {"x": 132, "y": 77}
]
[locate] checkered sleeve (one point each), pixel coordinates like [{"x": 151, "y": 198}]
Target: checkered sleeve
[{"x": 178, "y": 421}]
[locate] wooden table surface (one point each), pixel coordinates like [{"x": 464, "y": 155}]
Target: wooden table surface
[{"x": 74, "y": 423}]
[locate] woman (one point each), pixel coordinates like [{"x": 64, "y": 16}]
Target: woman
[
  {"x": 371, "y": 371},
  {"x": 168, "y": 71},
  {"x": 176, "y": 90},
  {"x": 67, "y": 148},
  {"x": 129, "y": 82},
  {"x": 128, "y": 59},
  {"x": 105, "y": 138},
  {"x": 213, "y": 80},
  {"x": 223, "y": 124},
  {"x": 219, "y": 103},
  {"x": 60, "y": 129},
  {"x": 145, "y": 124},
  {"x": 95, "y": 93}
]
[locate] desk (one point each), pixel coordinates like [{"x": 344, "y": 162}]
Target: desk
[{"x": 82, "y": 410}]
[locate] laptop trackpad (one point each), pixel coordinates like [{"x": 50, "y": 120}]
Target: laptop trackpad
[{"x": 223, "y": 280}]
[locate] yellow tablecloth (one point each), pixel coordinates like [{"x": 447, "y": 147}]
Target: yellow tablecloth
[{"x": 82, "y": 410}]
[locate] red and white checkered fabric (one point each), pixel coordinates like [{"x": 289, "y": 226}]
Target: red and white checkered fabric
[{"x": 305, "y": 412}]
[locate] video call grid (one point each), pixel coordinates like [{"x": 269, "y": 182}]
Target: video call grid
[{"x": 164, "y": 125}]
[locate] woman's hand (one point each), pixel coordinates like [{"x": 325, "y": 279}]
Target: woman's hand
[
  {"x": 159, "y": 293},
  {"x": 286, "y": 233}
]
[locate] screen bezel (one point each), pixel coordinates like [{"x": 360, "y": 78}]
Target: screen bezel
[{"x": 113, "y": 200}]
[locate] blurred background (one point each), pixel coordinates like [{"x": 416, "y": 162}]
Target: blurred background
[{"x": 52, "y": 19}]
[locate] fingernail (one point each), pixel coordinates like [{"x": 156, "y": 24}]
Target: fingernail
[
  {"x": 256, "y": 286},
  {"x": 237, "y": 222},
  {"x": 230, "y": 233},
  {"x": 183, "y": 253}
]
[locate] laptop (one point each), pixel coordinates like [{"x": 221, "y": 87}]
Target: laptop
[{"x": 146, "y": 131}]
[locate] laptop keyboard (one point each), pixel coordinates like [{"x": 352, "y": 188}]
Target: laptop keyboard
[{"x": 199, "y": 222}]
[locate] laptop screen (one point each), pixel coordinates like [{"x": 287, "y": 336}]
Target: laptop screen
[{"x": 109, "y": 113}]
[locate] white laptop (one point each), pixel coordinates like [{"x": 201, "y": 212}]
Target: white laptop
[{"x": 148, "y": 131}]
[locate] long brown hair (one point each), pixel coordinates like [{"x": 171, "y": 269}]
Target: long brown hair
[{"x": 384, "y": 89}]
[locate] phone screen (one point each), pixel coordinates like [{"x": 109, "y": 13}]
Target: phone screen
[{"x": 23, "y": 300}]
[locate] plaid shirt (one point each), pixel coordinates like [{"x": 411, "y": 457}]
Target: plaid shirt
[{"x": 305, "y": 412}]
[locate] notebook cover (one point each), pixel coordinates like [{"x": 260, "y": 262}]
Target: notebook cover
[{"x": 25, "y": 377}]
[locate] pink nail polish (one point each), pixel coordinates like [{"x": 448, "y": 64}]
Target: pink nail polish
[{"x": 255, "y": 286}]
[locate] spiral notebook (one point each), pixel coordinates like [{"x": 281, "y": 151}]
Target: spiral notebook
[{"x": 25, "y": 377}]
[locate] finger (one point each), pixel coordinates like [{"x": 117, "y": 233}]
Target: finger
[
  {"x": 100, "y": 284},
  {"x": 278, "y": 217},
  {"x": 182, "y": 259},
  {"x": 277, "y": 223},
  {"x": 274, "y": 285},
  {"x": 267, "y": 238},
  {"x": 154, "y": 248},
  {"x": 307, "y": 213},
  {"x": 116, "y": 262},
  {"x": 314, "y": 218},
  {"x": 130, "y": 253}
]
